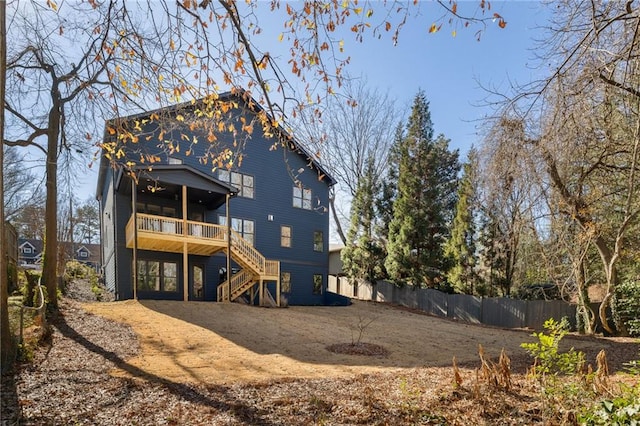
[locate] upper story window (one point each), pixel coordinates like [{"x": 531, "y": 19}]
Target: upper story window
[
  {"x": 244, "y": 227},
  {"x": 84, "y": 254},
  {"x": 243, "y": 182},
  {"x": 302, "y": 198},
  {"x": 285, "y": 236},
  {"x": 318, "y": 241},
  {"x": 27, "y": 250},
  {"x": 173, "y": 160}
]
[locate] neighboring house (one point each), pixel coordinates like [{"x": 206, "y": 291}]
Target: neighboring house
[
  {"x": 86, "y": 253},
  {"x": 30, "y": 252},
  {"x": 275, "y": 200}
]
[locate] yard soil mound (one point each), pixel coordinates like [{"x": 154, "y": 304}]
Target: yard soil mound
[{"x": 154, "y": 362}]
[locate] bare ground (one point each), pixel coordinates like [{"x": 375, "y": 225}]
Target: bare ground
[{"x": 157, "y": 362}]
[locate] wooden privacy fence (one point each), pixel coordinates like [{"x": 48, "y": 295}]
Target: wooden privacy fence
[{"x": 495, "y": 311}]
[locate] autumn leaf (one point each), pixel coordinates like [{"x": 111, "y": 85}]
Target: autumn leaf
[
  {"x": 387, "y": 26},
  {"x": 434, "y": 28}
]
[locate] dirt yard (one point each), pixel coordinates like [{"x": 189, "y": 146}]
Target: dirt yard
[{"x": 215, "y": 343}]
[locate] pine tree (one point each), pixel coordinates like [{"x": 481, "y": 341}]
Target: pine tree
[
  {"x": 362, "y": 257},
  {"x": 461, "y": 247},
  {"x": 388, "y": 192},
  {"x": 422, "y": 210}
]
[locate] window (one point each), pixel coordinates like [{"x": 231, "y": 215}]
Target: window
[
  {"x": 244, "y": 227},
  {"x": 157, "y": 276},
  {"x": 84, "y": 254},
  {"x": 173, "y": 160},
  {"x": 285, "y": 282},
  {"x": 302, "y": 198},
  {"x": 243, "y": 182},
  {"x": 317, "y": 283},
  {"x": 318, "y": 241},
  {"x": 285, "y": 236},
  {"x": 26, "y": 250}
]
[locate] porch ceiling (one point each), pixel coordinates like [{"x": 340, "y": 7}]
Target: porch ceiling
[{"x": 166, "y": 181}]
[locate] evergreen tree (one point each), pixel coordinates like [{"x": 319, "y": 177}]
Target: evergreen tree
[
  {"x": 422, "y": 210},
  {"x": 388, "y": 192},
  {"x": 461, "y": 247},
  {"x": 362, "y": 256}
]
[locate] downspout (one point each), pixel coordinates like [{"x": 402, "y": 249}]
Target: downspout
[
  {"x": 135, "y": 237},
  {"x": 114, "y": 212}
]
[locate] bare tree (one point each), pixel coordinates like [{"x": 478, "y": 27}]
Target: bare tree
[
  {"x": 586, "y": 114},
  {"x": 352, "y": 130},
  {"x": 508, "y": 196},
  {"x": 6, "y": 341},
  {"x": 21, "y": 184}
]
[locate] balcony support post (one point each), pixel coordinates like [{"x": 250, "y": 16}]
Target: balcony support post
[
  {"x": 185, "y": 248},
  {"x": 134, "y": 199},
  {"x": 228, "y": 298}
]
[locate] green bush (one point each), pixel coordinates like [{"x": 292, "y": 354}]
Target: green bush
[
  {"x": 623, "y": 409},
  {"x": 626, "y": 307},
  {"x": 548, "y": 358},
  {"x": 74, "y": 270}
]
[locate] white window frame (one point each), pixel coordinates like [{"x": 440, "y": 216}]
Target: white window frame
[
  {"x": 302, "y": 197},
  {"x": 241, "y": 226},
  {"x": 286, "y": 238},
  {"x": 245, "y": 183}
]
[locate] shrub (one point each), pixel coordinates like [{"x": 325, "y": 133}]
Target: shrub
[
  {"x": 548, "y": 359},
  {"x": 74, "y": 270},
  {"x": 622, "y": 408},
  {"x": 626, "y": 307}
]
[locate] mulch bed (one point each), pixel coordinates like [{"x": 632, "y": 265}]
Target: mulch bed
[
  {"x": 69, "y": 383},
  {"x": 359, "y": 348}
]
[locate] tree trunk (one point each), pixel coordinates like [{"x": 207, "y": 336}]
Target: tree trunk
[
  {"x": 332, "y": 205},
  {"x": 584, "y": 311},
  {"x": 49, "y": 267},
  {"x": 6, "y": 342},
  {"x": 609, "y": 262}
]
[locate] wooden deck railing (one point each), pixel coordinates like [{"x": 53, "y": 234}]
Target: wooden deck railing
[{"x": 240, "y": 247}]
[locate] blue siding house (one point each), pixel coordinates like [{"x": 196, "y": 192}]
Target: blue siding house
[{"x": 165, "y": 215}]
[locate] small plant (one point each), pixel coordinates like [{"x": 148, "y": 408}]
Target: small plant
[
  {"x": 621, "y": 410},
  {"x": 548, "y": 358},
  {"x": 359, "y": 329}
]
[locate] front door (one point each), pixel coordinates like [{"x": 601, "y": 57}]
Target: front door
[{"x": 197, "y": 282}]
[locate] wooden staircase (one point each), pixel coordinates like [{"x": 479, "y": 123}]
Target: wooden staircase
[{"x": 255, "y": 269}]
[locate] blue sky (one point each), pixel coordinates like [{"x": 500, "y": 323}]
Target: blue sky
[{"x": 449, "y": 69}]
